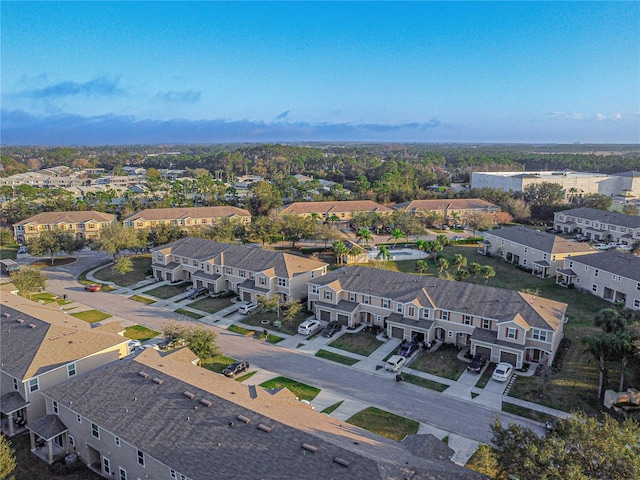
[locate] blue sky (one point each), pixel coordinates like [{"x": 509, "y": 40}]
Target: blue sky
[{"x": 180, "y": 72}]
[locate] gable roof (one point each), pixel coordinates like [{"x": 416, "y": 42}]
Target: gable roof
[
  {"x": 448, "y": 203},
  {"x": 602, "y": 216},
  {"x": 50, "y": 218},
  {"x": 334, "y": 207},
  {"x": 543, "y": 241},
  {"x": 143, "y": 401},
  {"x": 463, "y": 297},
  {"x": 624, "y": 264},
  {"x": 254, "y": 259},
  {"x": 187, "y": 212},
  {"x": 55, "y": 338}
]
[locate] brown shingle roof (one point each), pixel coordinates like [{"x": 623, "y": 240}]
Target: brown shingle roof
[
  {"x": 188, "y": 212},
  {"x": 51, "y": 218},
  {"x": 330, "y": 208}
]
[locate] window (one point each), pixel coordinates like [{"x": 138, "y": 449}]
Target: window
[
  {"x": 352, "y": 297},
  {"x": 467, "y": 320},
  {"x": 486, "y": 324},
  {"x": 385, "y": 302},
  {"x": 616, "y": 277},
  {"x": 544, "y": 256},
  {"x": 525, "y": 249},
  {"x": 445, "y": 315},
  {"x": 117, "y": 440},
  {"x": 636, "y": 303},
  {"x": 140, "y": 458},
  {"x": 314, "y": 288},
  {"x": 78, "y": 418},
  {"x": 327, "y": 295},
  {"x": 106, "y": 465},
  {"x": 399, "y": 308},
  {"x": 123, "y": 474},
  {"x": 34, "y": 385},
  {"x": 243, "y": 274},
  {"x": 173, "y": 474},
  {"x": 313, "y": 273},
  {"x": 512, "y": 333},
  {"x": 524, "y": 262},
  {"x": 195, "y": 263},
  {"x": 228, "y": 270},
  {"x": 425, "y": 312},
  {"x": 596, "y": 272},
  {"x": 72, "y": 441},
  {"x": 159, "y": 258},
  {"x": 411, "y": 311},
  {"x": 366, "y": 299},
  {"x": 71, "y": 370},
  {"x": 594, "y": 288},
  {"x": 15, "y": 384},
  {"x": 55, "y": 407},
  {"x": 571, "y": 264},
  {"x": 282, "y": 282},
  {"x": 538, "y": 334},
  {"x": 95, "y": 431},
  {"x": 263, "y": 281},
  {"x": 638, "y": 286}
]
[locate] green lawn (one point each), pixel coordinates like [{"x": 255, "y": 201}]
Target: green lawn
[
  {"x": 384, "y": 423},
  {"x": 335, "y": 357},
  {"x": 57, "y": 262},
  {"x": 82, "y": 278},
  {"x": 300, "y": 390},
  {"x": 211, "y": 305},
  {"x": 486, "y": 376},
  {"x": 141, "y": 268},
  {"x": 188, "y": 313},
  {"x": 423, "y": 382},
  {"x": 526, "y": 412},
  {"x": 361, "y": 343},
  {"x": 47, "y": 297},
  {"x": 246, "y": 376},
  {"x": 240, "y": 330},
  {"x": 218, "y": 363},
  {"x": 91, "y": 316},
  {"x": 331, "y": 408},
  {"x": 139, "y": 332},
  {"x": 444, "y": 362},
  {"x": 9, "y": 251},
  {"x": 168, "y": 291},
  {"x": 289, "y": 327},
  {"x": 141, "y": 299}
]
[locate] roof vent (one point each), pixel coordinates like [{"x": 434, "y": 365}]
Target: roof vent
[
  {"x": 206, "y": 402},
  {"x": 54, "y": 337},
  {"x": 310, "y": 448},
  {"x": 189, "y": 395},
  {"x": 244, "y": 419},
  {"x": 6, "y": 315},
  {"x": 32, "y": 325},
  {"x": 69, "y": 333},
  {"x": 143, "y": 374},
  {"x": 157, "y": 380},
  {"x": 341, "y": 461},
  {"x": 264, "y": 428},
  {"x": 19, "y": 320}
]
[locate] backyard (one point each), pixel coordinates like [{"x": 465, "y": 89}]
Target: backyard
[{"x": 141, "y": 269}]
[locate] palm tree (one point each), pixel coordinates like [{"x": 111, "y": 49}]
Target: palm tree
[
  {"x": 474, "y": 269},
  {"x": 333, "y": 219},
  {"x": 610, "y": 320},
  {"x": 600, "y": 347},
  {"x": 365, "y": 235},
  {"x": 443, "y": 264},
  {"x": 459, "y": 261},
  {"x": 487, "y": 271},
  {"x": 384, "y": 253},
  {"x": 339, "y": 250},
  {"x": 623, "y": 347},
  {"x": 354, "y": 252},
  {"x": 435, "y": 248},
  {"x": 461, "y": 275},
  {"x": 422, "y": 266},
  {"x": 396, "y": 234},
  {"x": 443, "y": 240}
]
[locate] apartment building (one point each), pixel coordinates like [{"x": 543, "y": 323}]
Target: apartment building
[
  {"x": 338, "y": 211},
  {"x": 453, "y": 210},
  {"x": 248, "y": 271},
  {"x": 41, "y": 347},
  {"x": 158, "y": 418},
  {"x": 185, "y": 218},
  {"x": 599, "y": 225},
  {"x": 610, "y": 275},
  {"x": 505, "y": 325},
  {"x": 542, "y": 252},
  {"x": 81, "y": 224}
]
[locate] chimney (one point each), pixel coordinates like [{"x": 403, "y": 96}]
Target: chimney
[{"x": 222, "y": 259}]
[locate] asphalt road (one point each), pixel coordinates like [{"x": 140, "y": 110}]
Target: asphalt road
[{"x": 426, "y": 406}]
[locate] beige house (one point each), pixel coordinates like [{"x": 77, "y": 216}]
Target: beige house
[
  {"x": 248, "y": 271},
  {"x": 599, "y": 225},
  {"x": 453, "y": 210},
  {"x": 185, "y": 218},
  {"x": 505, "y": 325},
  {"x": 156, "y": 417},
  {"x": 338, "y": 211},
  {"x": 41, "y": 347},
  {"x": 541, "y": 252},
  {"x": 81, "y": 224},
  {"x": 610, "y": 275}
]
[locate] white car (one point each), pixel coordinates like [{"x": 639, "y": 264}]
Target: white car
[
  {"x": 247, "y": 307},
  {"x": 308, "y": 327},
  {"x": 503, "y": 372},
  {"x": 134, "y": 345},
  {"x": 602, "y": 246}
]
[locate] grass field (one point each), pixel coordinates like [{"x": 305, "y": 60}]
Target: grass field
[
  {"x": 300, "y": 390},
  {"x": 384, "y": 423},
  {"x": 91, "y": 316},
  {"x": 331, "y": 408},
  {"x": 168, "y": 291},
  {"x": 141, "y": 268},
  {"x": 9, "y": 251},
  {"x": 289, "y": 327},
  {"x": 218, "y": 363},
  {"x": 139, "y": 332},
  {"x": 141, "y": 299},
  {"x": 189, "y": 313},
  {"x": 57, "y": 262},
  {"x": 211, "y": 305},
  {"x": 46, "y": 297},
  {"x": 443, "y": 362},
  {"x": 361, "y": 343},
  {"x": 423, "y": 382},
  {"x": 336, "y": 357}
]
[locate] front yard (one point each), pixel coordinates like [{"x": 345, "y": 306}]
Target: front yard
[
  {"x": 139, "y": 332},
  {"x": 141, "y": 268},
  {"x": 91, "y": 316},
  {"x": 443, "y": 362},
  {"x": 384, "y": 423},
  {"x": 300, "y": 390},
  {"x": 361, "y": 343},
  {"x": 288, "y": 327},
  {"x": 211, "y": 305},
  {"x": 168, "y": 291}
]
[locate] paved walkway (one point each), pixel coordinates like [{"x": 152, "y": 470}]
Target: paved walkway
[{"x": 491, "y": 396}]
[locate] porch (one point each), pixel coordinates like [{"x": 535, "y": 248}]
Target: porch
[
  {"x": 14, "y": 413},
  {"x": 541, "y": 268},
  {"x": 566, "y": 278},
  {"x": 49, "y": 438}
]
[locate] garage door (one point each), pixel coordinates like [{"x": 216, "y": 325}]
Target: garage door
[
  {"x": 511, "y": 358},
  {"x": 397, "y": 332},
  {"x": 246, "y": 296},
  {"x": 325, "y": 315},
  {"x": 343, "y": 319},
  {"x": 486, "y": 351}
]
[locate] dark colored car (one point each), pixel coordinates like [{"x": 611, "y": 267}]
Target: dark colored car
[
  {"x": 407, "y": 348},
  {"x": 94, "y": 287},
  {"x": 198, "y": 292},
  {"x": 477, "y": 362},
  {"x": 236, "y": 368},
  {"x": 331, "y": 329}
]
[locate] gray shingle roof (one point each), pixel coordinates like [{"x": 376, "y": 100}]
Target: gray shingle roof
[
  {"x": 12, "y": 402},
  {"x": 612, "y": 218},
  {"x": 468, "y": 298},
  {"x": 195, "y": 439},
  {"x": 623, "y": 264},
  {"x": 20, "y": 343},
  {"x": 47, "y": 427},
  {"x": 543, "y": 241}
]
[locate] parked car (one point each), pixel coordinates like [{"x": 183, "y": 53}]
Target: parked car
[
  {"x": 198, "y": 292},
  {"x": 395, "y": 363},
  {"x": 407, "y": 348},
  {"x": 134, "y": 345},
  {"x": 477, "y": 362},
  {"x": 503, "y": 372},
  {"x": 308, "y": 327},
  {"x": 236, "y": 368},
  {"x": 331, "y": 329},
  {"x": 22, "y": 249},
  {"x": 247, "y": 307},
  {"x": 94, "y": 287},
  {"x": 602, "y": 246}
]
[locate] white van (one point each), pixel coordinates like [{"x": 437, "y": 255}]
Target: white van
[{"x": 395, "y": 363}]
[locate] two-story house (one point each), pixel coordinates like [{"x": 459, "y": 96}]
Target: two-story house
[
  {"x": 542, "y": 252},
  {"x": 152, "y": 417},
  {"x": 334, "y": 211},
  {"x": 248, "y": 271},
  {"x": 80, "y": 224},
  {"x": 505, "y": 325},
  {"x": 599, "y": 225},
  {"x": 185, "y": 218},
  {"x": 453, "y": 210},
  {"x": 42, "y": 346},
  {"x": 611, "y": 275}
]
